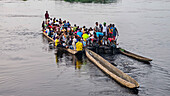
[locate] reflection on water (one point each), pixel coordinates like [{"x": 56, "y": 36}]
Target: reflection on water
[
  {"x": 76, "y": 60},
  {"x": 92, "y": 1}
]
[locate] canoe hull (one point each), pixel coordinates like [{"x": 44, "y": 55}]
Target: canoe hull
[
  {"x": 112, "y": 71},
  {"x": 135, "y": 56}
]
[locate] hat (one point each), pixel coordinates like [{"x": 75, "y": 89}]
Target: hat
[{"x": 104, "y": 23}]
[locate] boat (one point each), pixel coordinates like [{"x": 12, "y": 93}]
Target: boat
[
  {"x": 74, "y": 52},
  {"x": 51, "y": 39},
  {"x": 111, "y": 70},
  {"x": 135, "y": 56}
]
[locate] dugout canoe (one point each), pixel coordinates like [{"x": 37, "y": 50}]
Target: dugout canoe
[
  {"x": 74, "y": 52},
  {"x": 68, "y": 50},
  {"x": 135, "y": 56},
  {"x": 51, "y": 39},
  {"x": 111, "y": 70}
]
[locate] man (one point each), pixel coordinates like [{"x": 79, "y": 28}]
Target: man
[
  {"x": 46, "y": 15},
  {"x": 96, "y": 28},
  {"x": 79, "y": 45},
  {"x": 105, "y": 28},
  {"x": 115, "y": 32}
]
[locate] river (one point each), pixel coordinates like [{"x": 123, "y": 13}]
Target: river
[{"x": 28, "y": 67}]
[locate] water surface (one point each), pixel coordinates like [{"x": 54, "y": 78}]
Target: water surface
[{"x": 29, "y": 68}]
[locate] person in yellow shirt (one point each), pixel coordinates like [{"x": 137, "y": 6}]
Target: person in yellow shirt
[
  {"x": 57, "y": 41},
  {"x": 79, "y": 45},
  {"x": 86, "y": 38}
]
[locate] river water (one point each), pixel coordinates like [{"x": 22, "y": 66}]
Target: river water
[{"x": 28, "y": 67}]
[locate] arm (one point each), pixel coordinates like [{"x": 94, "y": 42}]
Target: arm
[{"x": 117, "y": 32}]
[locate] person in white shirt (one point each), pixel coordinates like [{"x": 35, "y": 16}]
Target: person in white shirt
[
  {"x": 74, "y": 42},
  {"x": 105, "y": 32}
]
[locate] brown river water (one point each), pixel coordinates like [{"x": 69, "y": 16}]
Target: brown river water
[{"x": 28, "y": 67}]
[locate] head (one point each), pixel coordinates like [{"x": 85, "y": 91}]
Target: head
[
  {"x": 46, "y": 11},
  {"x": 74, "y": 25},
  {"x": 104, "y": 23},
  {"x": 100, "y": 25},
  {"x": 96, "y": 23},
  {"x": 57, "y": 37},
  {"x": 80, "y": 29},
  {"x": 78, "y": 39},
  {"x": 113, "y": 25}
]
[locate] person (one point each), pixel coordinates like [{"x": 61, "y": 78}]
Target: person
[
  {"x": 115, "y": 32},
  {"x": 96, "y": 28},
  {"x": 91, "y": 31},
  {"x": 47, "y": 15},
  {"x": 105, "y": 28},
  {"x": 79, "y": 45},
  {"x": 86, "y": 38},
  {"x": 80, "y": 33},
  {"x": 74, "y": 28},
  {"x": 84, "y": 27},
  {"x": 100, "y": 28},
  {"x": 43, "y": 25},
  {"x": 57, "y": 41},
  {"x": 100, "y": 37},
  {"x": 74, "y": 42}
]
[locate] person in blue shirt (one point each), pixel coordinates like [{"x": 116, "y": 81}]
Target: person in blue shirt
[
  {"x": 79, "y": 33},
  {"x": 115, "y": 31},
  {"x": 99, "y": 34}
]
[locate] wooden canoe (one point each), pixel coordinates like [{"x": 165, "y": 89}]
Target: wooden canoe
[
  {"x": 71, "y": 51},
  {"x": 111, "y": 70},
  {"x": 68, "y": 50},
  {"x": 135, "y": 56},
  {"x": 51, "y": 39}
]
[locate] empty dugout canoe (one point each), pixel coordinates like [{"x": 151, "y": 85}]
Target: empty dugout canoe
[
  {"x": 111, "y": 70},
  {"x": 135, "y": 56}
]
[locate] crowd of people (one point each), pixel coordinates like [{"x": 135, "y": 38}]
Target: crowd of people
[{"x": 76, "y": 37}]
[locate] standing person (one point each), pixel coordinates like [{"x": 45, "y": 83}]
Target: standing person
[
  {"x": 115, "y": 32},
  {"x": 74, "y": 28},
  {"x": 74, "y": 42},
  {"x": 57, "y": 41},
  {"x": 105, "y": 28},
  {"x": 100, "y": 28},
  {"x": 43, "y": 25},
  {"x": 47, "y": 15},
  {"x": 96, "y": 28},
  {"x": 79, "y": 45}
]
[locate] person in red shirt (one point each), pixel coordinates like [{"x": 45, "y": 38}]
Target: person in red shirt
[{"x": 46, "y": 15}]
